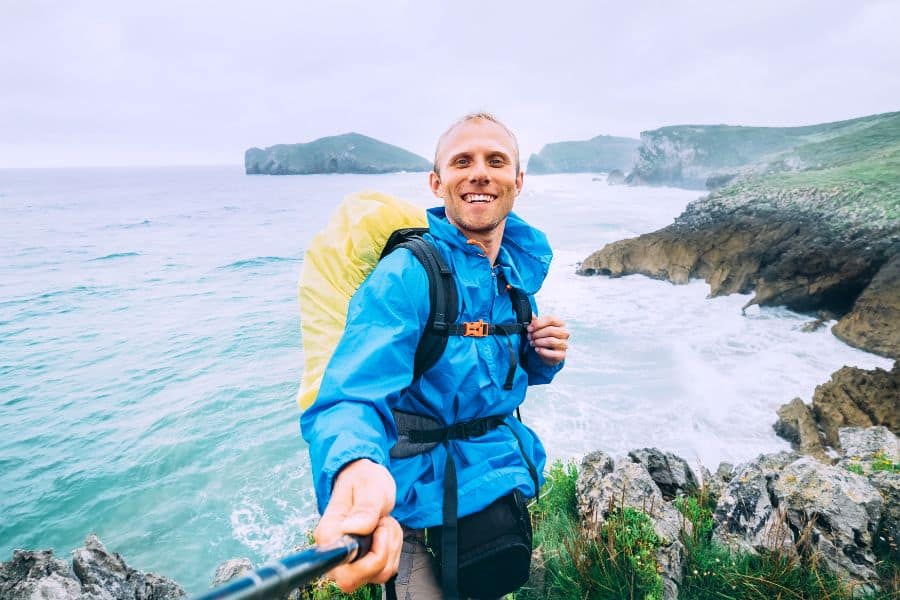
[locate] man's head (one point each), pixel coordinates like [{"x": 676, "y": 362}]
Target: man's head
[
  {"x": 476, "y": 173},
  {"x": 479, "y": 116}
]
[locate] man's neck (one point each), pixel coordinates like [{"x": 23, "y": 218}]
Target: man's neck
[{"x": 488, "y": 242}]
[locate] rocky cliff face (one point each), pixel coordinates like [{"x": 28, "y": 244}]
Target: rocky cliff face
[
  {"x": 600, "y": 154},
  {"x": 712, "y": 156},
  {"x": 348, "y": 153},
  {"x": 795, "y": 249}
]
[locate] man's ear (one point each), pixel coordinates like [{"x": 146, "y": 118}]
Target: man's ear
[
  {"x": 520, "y": 179},
  {"x": 434, "y": 182}
]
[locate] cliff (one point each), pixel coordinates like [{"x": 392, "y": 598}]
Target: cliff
[
  {"x": 712, "y": 156},
  {"x": 348, "y": 153},
  {"x": 600, "y": 154},
  {"x": 824, "y": 237}
]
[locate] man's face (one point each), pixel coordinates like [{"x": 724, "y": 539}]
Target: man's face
[{"x": 478, "y": 180}]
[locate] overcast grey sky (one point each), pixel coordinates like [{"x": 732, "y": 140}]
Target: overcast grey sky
[{"x": 191, "y": 82}]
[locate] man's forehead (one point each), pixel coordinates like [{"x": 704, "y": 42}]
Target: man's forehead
[{"x": 457, "y": 133}]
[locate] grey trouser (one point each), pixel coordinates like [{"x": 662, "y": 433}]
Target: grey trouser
[{"x": 417, "y": 574}]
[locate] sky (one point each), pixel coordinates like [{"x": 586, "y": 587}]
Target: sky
[{"x": 96, "y": 83}]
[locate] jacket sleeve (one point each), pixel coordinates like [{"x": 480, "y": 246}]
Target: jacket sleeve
[
  {"x": 538, "y": 372},
  {"x": 371, "y": 366}
]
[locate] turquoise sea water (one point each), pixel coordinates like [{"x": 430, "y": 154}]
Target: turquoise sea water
[{"x": 150, "y": 355}]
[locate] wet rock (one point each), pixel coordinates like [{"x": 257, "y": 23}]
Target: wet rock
[
  {"x": 797, "y": 424},
  {"x": 95, "y": 575},
  {"x": 231, "y": 569},
  {"x": 104, "y": 574},
  {"x": 835, "y": 512},
  {"x": 747, "y": 517},
  {"x": 37, "y": 575},
  {"x": 615, "y": 177},
  {"x": 789, "y": 248},
  {"x": 671, "y": 473},
  {"x": 878, "y": 304},
  {"x": 858, "y": 398}
]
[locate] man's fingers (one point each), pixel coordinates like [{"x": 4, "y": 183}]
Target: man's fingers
[
  {"x": 379, "y": 564},
  {"x": 560, "y": 333}
]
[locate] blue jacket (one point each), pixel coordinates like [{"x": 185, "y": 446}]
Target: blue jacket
[{"x": 371, "y": 372}]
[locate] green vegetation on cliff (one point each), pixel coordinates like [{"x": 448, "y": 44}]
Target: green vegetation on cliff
[
  {"x": 600, "y": 154},
  {"x": 699, "y": 156},
  {"x": 852, "y": 179},
  {"x": 348, "y": 153}
]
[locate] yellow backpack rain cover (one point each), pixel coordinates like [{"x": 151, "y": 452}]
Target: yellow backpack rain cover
[{"x": 337, "y": 261}]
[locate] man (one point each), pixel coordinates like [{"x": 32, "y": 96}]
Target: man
[{"x": 351, "y": 429}]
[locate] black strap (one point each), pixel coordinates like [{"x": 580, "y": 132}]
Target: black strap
[{"x": 441, "y": 294}]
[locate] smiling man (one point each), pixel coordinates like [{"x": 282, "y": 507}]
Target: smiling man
[{"x": 436, "y": 467}]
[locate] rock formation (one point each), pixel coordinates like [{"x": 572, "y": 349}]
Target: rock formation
[
  {"x": 596, "y": 155},
  {"x": 95, "y": 574},
  {"x": 852, "y": 398},
  {"x": 348, "y": 153}
]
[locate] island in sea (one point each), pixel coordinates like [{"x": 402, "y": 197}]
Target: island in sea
[
  {"x": 600, "y": 154},
  {"x": 347, "y": 153}
]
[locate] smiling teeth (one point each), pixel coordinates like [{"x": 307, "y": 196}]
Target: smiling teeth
[{"x": 479, "y": 197}]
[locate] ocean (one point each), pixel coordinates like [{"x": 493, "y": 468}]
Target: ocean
[{"x": 150, "y": 355}]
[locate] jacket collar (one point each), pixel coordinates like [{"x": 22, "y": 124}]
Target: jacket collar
[{"x": 524, "y": 255}]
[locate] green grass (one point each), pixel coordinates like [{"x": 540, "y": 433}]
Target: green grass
[{"x": 620, "y": 562}]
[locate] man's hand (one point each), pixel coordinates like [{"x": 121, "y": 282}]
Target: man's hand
[
  {"x": 361, "y": 503},
  {"x": 550, "y": 339}
]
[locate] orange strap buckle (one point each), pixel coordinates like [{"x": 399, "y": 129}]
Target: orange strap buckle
[{"x": 476, "y": 329}]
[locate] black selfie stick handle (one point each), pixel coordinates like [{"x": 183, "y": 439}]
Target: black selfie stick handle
[{"x": 293, "y": 571}]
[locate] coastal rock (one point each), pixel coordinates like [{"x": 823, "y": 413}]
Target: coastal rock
[
  {"x": 876, "y": 452},
  {"x": 231, "y": 569},
  {"x": 95, "y": 575},
  {"x": 835, "y": 512},
  {"x": 715, "y": 483},
  {"x": 867, "y": 446},
  {"x": 596, "y": 155},
  {"x": 710, "y": 156},
  {"x": 858, "y": 398},
  {"x": 348, "y": 153},
  {"x": 747, "y": 517},
  {"x": 797, "y": 424},
  {"x": 671, "y": 473},
  {"x": 31, "y": 575},
  {"x": 106, "y": 575},
  {"x": 615, "y": 177},
  {"x": 878, "y": 304},
  {"x": 777, "y": 249},
  {"x": 604, "y": 486}
]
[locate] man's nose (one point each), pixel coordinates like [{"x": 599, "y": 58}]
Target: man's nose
[{"x": 479, "y": 172}]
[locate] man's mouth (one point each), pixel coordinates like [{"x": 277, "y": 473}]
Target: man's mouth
[{"x": 473, "y": 198}]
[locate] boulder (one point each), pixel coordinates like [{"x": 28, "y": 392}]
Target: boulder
[
  {"x": 747, "y": 517},
  {"x": 95, "y": 575},
  {"x": 604, "y": 485},
  {"x": 671, "y": 473},
  {"x": 878, "y": 304},
  {"x": 231, "y": 569},
  {"x": 857, "y": 398},
  {"x": 797, "y": 424},
  {"x": 615, "y": 177},
  {"x": 866, "y": 446},
  {"x": 38, "y": 575},
  {"x": 715, "y": 482},
  {"x": 834, "y": 513}
]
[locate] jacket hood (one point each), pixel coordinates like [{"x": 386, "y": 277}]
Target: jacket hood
[{"x": 525, "y": 252}]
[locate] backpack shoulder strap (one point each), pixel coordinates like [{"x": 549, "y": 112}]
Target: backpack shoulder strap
[{"x": 441, "y": 293}]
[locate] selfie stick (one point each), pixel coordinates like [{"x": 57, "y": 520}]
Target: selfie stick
[{"x": 296, "y": 570}]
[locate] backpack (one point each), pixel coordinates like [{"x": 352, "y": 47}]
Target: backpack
[{"x": 365, "y": 228}]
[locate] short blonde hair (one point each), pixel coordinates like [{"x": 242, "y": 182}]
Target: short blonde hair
[{"x": 477, "y": 116}]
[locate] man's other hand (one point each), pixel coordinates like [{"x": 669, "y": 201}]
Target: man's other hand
[
  {"x": 361, "y": 503},
  {"x": 550, "y": 339}
]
